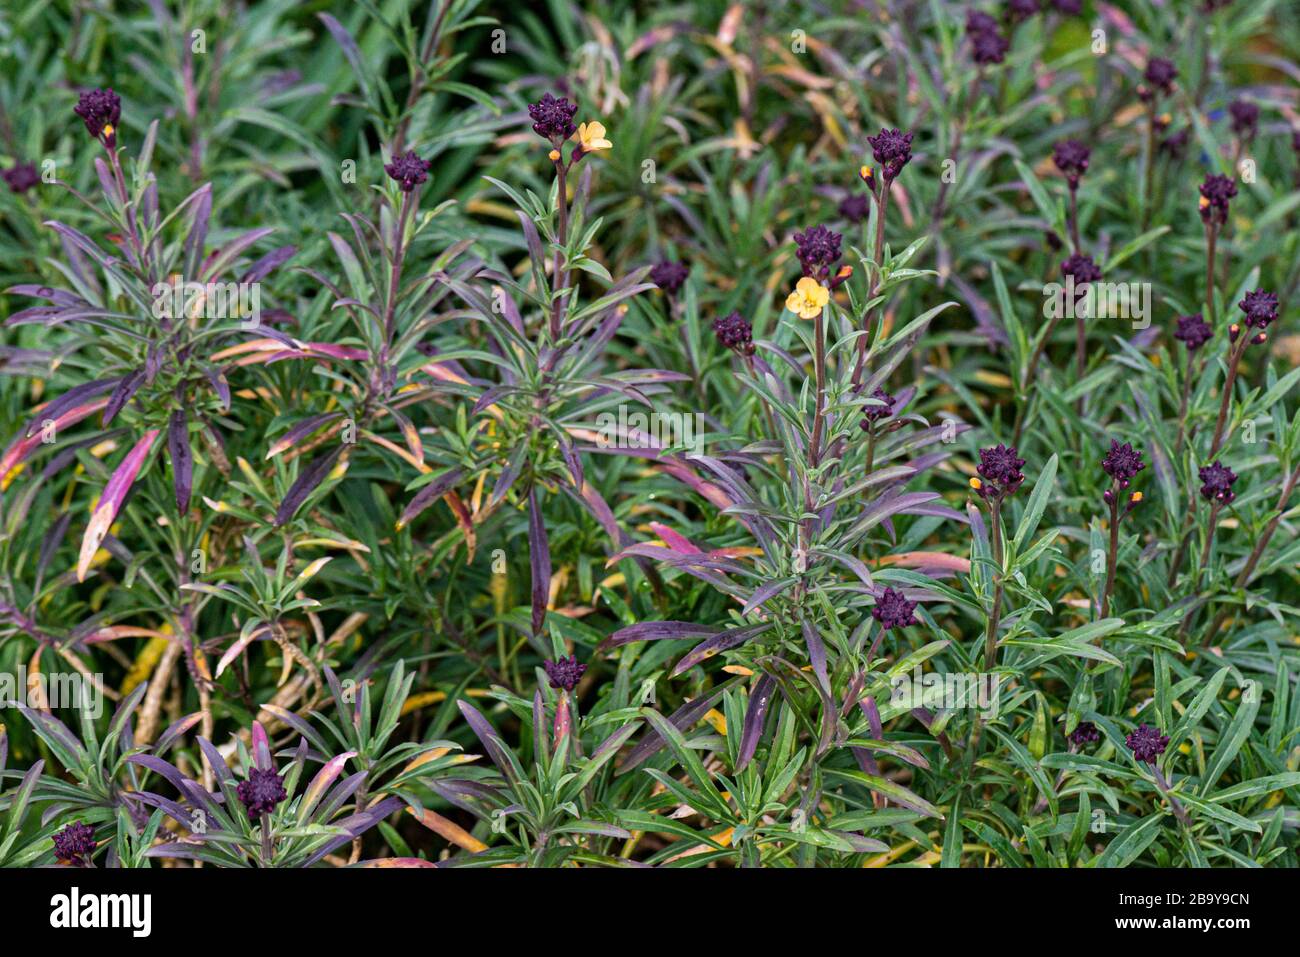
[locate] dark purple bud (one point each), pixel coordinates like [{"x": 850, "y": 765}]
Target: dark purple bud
[
  {"x": 1245, "y": 117},
  {"x": 263, "y": 790},
  {"x": 1216, "y": 192},
  {"x": 565, "y": 673},
  {"x": 1071, "y": 158},
  {"x": 1070, "y": 8},
  {"x": 893, "y": 610},
  {"x": 892, "y": 149},
  {"x": 178, "y": 445},
  {"x": 1122, "y": 462},
  {"x": 818, "y": 249},
  {"x": 734, "y": 332},
  {"x": 670, "y": 276},
  {"x": 979, "y": 22},
  {"x": 1216, "y": 483},
  {"x": 553, "y": 119},
  {"x": 1175, "y": 144},
  {"x": 999, "y": 472},
  {"x": 1082, "y": 268},
  {"x": 1018, "y": 10},
  {"x": 1161, "y": 73},
  {"x": 1147, "y": 743},
  {"x": 409, "y": 171},
  {"x": 874, "y": 413},
  {"x": 21, "y": 177},
  {"x": 854, "y": 207},
  {"x": 101, "y": 110},
  {"x": 1084, "y": 733},
  {"x": 1193, "y": 331},
  {"x": 988, "y": 47},
  {"x": 1260, "y": 308},
  {"x": 75, "y": 844}
]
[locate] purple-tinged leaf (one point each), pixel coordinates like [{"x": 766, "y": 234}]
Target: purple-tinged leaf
[
  {"x": 197, "y": 237},
  {"x": 159, "y": 766},
  {"x": 268, "y": 264},
  {"x": 175, "y": 730},
  {"x": 755, "y": 713},
  {"x": 60, "y": 297},
  {"x": 654, "y": 630},
  {"x": 765, "y": 592},
  {"x": 300, "y": 431},
  {"x": 539, "y": 558},
  {"x": 69, "y": 400},
  {"x": 430, "y": 494},
  {"x": 816, "y": 654},
  {"x": 261, "y": 748},
  {"x": 308, "y": 481},
  {"x": 178, "y": 445},
  {"x": 321, "y": 782},
  {"x": 126, "y": 387},
  {"x": 217, "y": 379},
  {"x": 114, "y": 494},
  {"x": 489, "y": 738},
  {"x": 732, "y": 638},
  {"x": 681, "y": 719}
]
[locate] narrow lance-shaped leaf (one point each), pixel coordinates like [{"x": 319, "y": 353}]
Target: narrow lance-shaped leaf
[
  {"x": 539, "y": 556},
  {"x": 126, "y": 387},
  {"x": 111, "y": 500},
  {"x": 755, "y": 713},
  {"x": 308, "y": 481},
  {"x": 178, "y": 445},
  {"x": 428, "y": 495}
]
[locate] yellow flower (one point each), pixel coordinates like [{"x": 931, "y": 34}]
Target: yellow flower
[
  {"x": 591, "y": 136},
  {"x": 808, "y": 298}
]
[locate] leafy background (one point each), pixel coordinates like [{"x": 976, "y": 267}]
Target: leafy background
[{"x": 474, "y": 528}]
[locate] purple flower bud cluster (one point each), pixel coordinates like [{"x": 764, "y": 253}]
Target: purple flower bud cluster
[
  {"x": 854, "y": 207},
  {"x": 1216, "y": 192},
  {"x": 1260, "y": 308},
  {"x": 1175, "y": 144},
  {"x": 1085, "y": 732},
  {"x": 874, "y": 413},
  {"x": 553, "y": 119},
  {"x": 1122, "y": 463},
  {"x": 999, "y": 472},
  {"x": 1216, "y": 483},
  {"x": 564, "y": 673},
  {"x": 100, "y": 110},
  {"x": 1245, "y": 118},
  {"x": 818, "y": 249},
  {"x": 409, "y": 171},
  {"x": 21, "y": 177},
  {"x": 670, "y": 276},
  {"x": 988, "y": 45},
  {"x": 892, "y": 149},
  {"x": 75, "y": 844},
  {"x": 263, "y": 790},
  {"x": 1082, "y": 268},
  {"x": 1193, "y": 331},
  {"x": 893, "y": 610},
  {"x": 1071, "y": 158},
  {"x": 735, "y": 332},
  {"x": 1147, "y": 743},
  {"x": 1017, "y": 10},
  {"x": 1159, "y": 75}
]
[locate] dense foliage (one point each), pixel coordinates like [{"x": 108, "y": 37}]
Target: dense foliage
[{"x": 844, "y": 435}]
